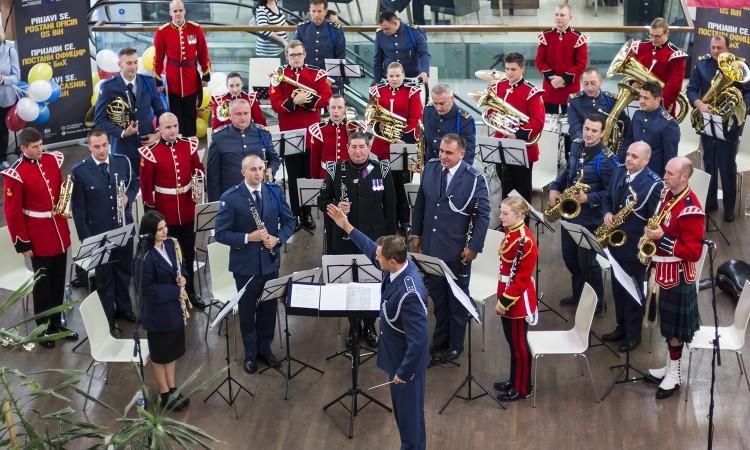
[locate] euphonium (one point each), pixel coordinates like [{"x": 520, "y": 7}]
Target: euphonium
[
  {"x": 611, "y": 235},
  {"x": 647, "y": 247},
  {"x": 277, "y": 77},
  {"x": 385, "y": 124},
  {"x": 501, "y": 116},
  {"x": 197, "y": 184},
  {"x": 614, "y": 128},
  {"x": 62, "y": 208},
  {"x": 724, "y": 99},
  {"x": 567, "y": 206}
]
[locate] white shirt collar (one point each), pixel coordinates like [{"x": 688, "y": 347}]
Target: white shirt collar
[
  {"x": 633, "y": 175},
  {"x": 126, "y": 81},
  {"x": 106, "y": 161},
  {"x": 253, "y": 188},
  {"x": 394, "y": 275}
]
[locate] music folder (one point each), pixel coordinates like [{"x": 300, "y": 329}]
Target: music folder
[{"x": 334, "y": 300}]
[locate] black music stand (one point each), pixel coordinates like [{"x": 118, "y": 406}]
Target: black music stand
[
  {"x": 96, "y": 251},
  {"x": 277, "y": 291},
  {"x": 630, "y": 284},
  {"x": 713, "y": 126},
  {"x": 538, "y": 219},
  {"x": 205, "y": 221},
  {"x": 402, "y": 156},
  {"x": 339, "y": 68},
  {"x": 308, "y": 190},
  {"x": 290, "y": 142},
  {"x": 584, "y": 239},
  {"x": 502, "y": 151},
  {"x": 229, "y": 380}
]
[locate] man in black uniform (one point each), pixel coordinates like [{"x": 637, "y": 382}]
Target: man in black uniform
[{"x": 363, "y": 189}]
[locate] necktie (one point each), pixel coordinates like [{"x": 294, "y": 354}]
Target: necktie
[
  {"x": 444, "y": 182},
  {"x": 131, "y": 94},
  {"x": 623, "y": 193},
  {"x": 258, "y": 201},
  {"x": 363, "y": 172},
  {"x": 104, "y": 171}
]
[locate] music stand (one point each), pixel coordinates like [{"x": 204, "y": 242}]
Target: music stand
[
  {"x": 308, "y": 190},
  {"x": 504, "y": 151},
  {"x": 205, "y": 221},
  {"x": 290, "y": 142},
  {"x": 229, "y": 380},
  {"x": 584, "y": 239},
  {"x": 402, "y": 156},
  {"x": 713, "y": 126},
  {"x": 538, "y": 218},
  {"x": 412, "y": 189},
  {"x": 339, "y": 68}
]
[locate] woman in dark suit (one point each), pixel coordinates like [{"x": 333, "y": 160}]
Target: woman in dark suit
[{"x": 163, "y": 303}]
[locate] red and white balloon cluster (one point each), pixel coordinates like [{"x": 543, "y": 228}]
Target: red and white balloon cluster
[{"x": 34, "y": 94}]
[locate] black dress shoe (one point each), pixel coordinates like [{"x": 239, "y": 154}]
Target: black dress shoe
[
  {"x": 47, "y": 344},
  {"x": 628, "y": 345},
  {"x": 438, "y": 347},
  {"x": 61, "y": 329},
  {"x": 729, "y": 216},
  {"x": 569, "y": 301},
  {"x": 503, "y": 386},
  {"x": 652, "y": 379},
  {"x": 127, "y": 316},
  {"x": 513, "y": 396},
  {"x": 270, "y": 360},
  {"x": 371, "y": 336},
  {"x": 661, "y": 394},
  {"x": 177, "y": 402},
  {"x": 451, "y": 355},
  {"x": 297, "y": 224},
  {"x": 250, "y": 367},
  {"x": 308, "y": 223},
  {"x": 616, "y": 335}
]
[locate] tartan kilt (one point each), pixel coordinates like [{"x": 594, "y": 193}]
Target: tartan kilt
[{"x": 679, "y": 316}]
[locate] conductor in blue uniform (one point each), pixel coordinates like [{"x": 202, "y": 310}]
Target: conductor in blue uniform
[
  {"x": 143, "y": 102},
  {"x": 655, "y": 126},
  {"x": 450, "y": 221},
  {"x": 397, "y": 41},
  {"x": 402, "y": 347},
  {"x": 231, "y": 144},
  {"x": 94, "y": 207},
  {"x": 443, "y": 116},
  {"x": 255, "y": 253}
]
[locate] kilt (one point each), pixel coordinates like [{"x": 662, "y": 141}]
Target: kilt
[{"x": 678, "y": 311}]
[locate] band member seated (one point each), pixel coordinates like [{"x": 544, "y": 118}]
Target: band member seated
[
  {"x": 403, "y": 101},
  {"x": 402, "y": 347},
  {"x": 590, "y": 163},
  {"x": 220, "y": 114},
  {"x": 328, "y": 141},
  {"x": 636, "y": 187},
  {"x": 232, "y": 143},
  {"x": 363, "y": 189},
  {"x": 443, "y": 116},
  {"x": 33, "y": 189},
  {"x": 516, "y": 296},
  {"x": 451, "y": 216},
  {"x": 105, "y": 190},
  {"x": 163, "y": 303},
  {"x": 679, "y": 244},
  {"x": 254, "y": 219}
]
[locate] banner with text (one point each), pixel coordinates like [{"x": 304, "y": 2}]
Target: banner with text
[
  {"x": 733, "y": 23},
  {"x": 56, "y": 32}
]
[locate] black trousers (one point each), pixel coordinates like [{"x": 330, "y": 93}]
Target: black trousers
[
  {"x": 450, "y": 315},
  {"x": 256, "y": 319},
  {"x": 551, "y": 108},
  {"x": 628, "y": 312},
  {"x": 582, "y": 265},
  {"x": 515, "y": 177},
  {"x": 720, "y": 160},
  {"x": 516, "y": 333},
  {"x": 49, "y": 290},
  {"x": 113, "y": 282},
  {"x": 400, "y": 178},
  {"x": 297, "y": 166},
  {"x": 186, "y": 237},
  {"x": 185, "y": 110},
  {"x": 3, "y": 133}
]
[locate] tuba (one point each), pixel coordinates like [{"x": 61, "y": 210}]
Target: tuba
[
  {"x": 119, "y": 113},
  {"x": 566, "y": 206},
  {"x": 385, "y": 124},
  {"x": 501, "y": 116},
  {"x": 197, "y": 184},
  {"x": 723, "y": 98},
  {"x": 277, "y": 77},
  {"x": 611, "y": 235},
  {"x": 62, "y": 208}
]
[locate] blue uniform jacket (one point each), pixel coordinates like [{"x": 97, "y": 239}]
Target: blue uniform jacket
[
  {"x": 324, "y": 41},
  {"x": 598, "y": 165},
  {"x": 228, "y": 147},
  {"x": 647, "y": 186},
  {"x": 407, "y": 46},
  {"x": 404, "y": 334},
  {"x": 456, "y": 121},
  {"x": 581, "y": 105},
  {"x": 148, "y": 105},
  {"x": 659, "y": 130},
  {"x": 234, "y": 221},
  {"x": 700, "y": 80},
  {"x": 160, "y": 301},
  {"x": 94, "y": 201},
  {"x": 443, "y": 220}
]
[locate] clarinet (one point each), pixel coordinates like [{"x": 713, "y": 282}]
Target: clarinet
[
  {"x": 261, "y": 226},
  {"x": 464, "y": 272}
]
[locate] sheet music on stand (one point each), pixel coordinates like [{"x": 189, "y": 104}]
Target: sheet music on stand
[
  {"x": 340, "y": 68},
  {"x": 403, "y": 156},
  {"x": 290, "y": 142},
  {"x": 625, "y": 280},
  {"x": 534, "y": 214},
  {"x": 583, "y": 237},
  {"x": 431, "y": 265},
  {"x": 96, "y": 250},
  {"x": 338, "y": 269},
  {"x": 412, "y": 189},
  {"x": 309, "y": 190},
  {"x": 229, "y": 306},
  {"x": 713, "y": 126},
  {"x": 335, "y": 300},
  {"x": 502, "y": 151},
  {"x": 205, "y": 216}
]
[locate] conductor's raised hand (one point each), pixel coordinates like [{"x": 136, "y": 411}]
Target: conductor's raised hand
[{"x": 338, "y": 216}]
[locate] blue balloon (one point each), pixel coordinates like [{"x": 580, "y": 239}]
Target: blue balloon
[
  {"x": 43, "y": 115},
  {"x": 22, "y": 85},
  {"x": 56, "y": 90}
]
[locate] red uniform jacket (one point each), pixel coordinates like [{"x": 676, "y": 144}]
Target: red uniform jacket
[
  {"x": 167, "y": 170},
  {"x": 329, "y": 141},
  {"x": 518, "y": 297},
  {"x": 667, "y": 62},
  {"x": 255, "y": 111},
  {"x": 32, "y": 189},
  {"x": 183, "y": 47},
  {"x": 293, "y": 117},
  {"x": 404, "y": 101},
  {"x": 565, "y": 54},
  {"x": 526, "y": 98},
  {"x": 682, "y": 244}
]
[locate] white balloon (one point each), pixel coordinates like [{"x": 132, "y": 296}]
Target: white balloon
[
  {"x": 40, "y": 90},
  {"x": 218, "y": 91},
  {"x": 217, "y": 79},
  {"x": 106, "y": 60},
  {"x": 27, "y": 109}
]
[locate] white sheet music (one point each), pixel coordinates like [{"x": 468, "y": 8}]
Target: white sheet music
[
  {"x": 363, "y": 296},
  {"x": 462, "y": 298},
  {"x": 305, "y": 296},
  {"x": 623, "y": 278},
  {"x": 333, "y": 297}
]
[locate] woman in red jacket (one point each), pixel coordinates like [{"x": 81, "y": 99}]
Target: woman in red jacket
[{"x": 516, "y": 296}]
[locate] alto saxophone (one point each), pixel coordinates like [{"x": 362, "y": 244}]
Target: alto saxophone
[
  {"x": 261, "y": 226},
  {"x": 611, "y": 235},
  {"x": 121, "y": 200},
  {"x": 567, "y": 206},
  {"x": 62, "y": 208},
  {"x": 647, "y": 248}
]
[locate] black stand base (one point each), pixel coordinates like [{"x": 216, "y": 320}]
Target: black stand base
[
  {"x": 355, "y": 408},
  {"x": 712, "y": 226},
  {"x": 601, "y": 344},
  {"x": 229, "y": 380},
  {"x": 623, "y": 376},
  {"x": 346, "y": 353},
  {"x": 468, "y": 381}
]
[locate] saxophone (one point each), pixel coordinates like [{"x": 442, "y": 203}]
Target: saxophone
[
  {"x": 62, "y": 208},
  {"x": 185, "y": 304},
  {"x": 197, "y": 184},
  {"x": 567, "y": 206},
  {"x": 418, "y": 165},
  {"x": 261, "y": 226},
  {"x": 610, "y": 235},
  {"x": 121, "y": 200},
  {"x": 647, "y": 248}
]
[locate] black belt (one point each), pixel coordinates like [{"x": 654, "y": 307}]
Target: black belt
[{"x": 183, "y": 63}]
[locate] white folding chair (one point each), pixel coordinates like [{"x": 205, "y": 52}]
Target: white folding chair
[
  {"x": 545, "y": 169},
  {"x": 569, "y": 342},
  {"x": 483, "y": 282},
  {"x": 699, "y": 182},
  {"x": 222, "y": 282},
  {"x": 743, "y": 166},
  {"x": 104, "y": 348},
  {"x": 731, "y": 338},
  {"x": 13, "y": 270}
]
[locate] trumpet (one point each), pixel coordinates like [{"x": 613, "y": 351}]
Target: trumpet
[
  {"x": 567, "y": 207},
  {"x": 121, "y": 200},
  {"x": 277, "y": 77},
  {"x": 611, "y": 235},
  {"x": 501, "y": 116},
  {"x": 62, "y": 208},
  {"x": 197, "y": 184},
  {"x": 385, "y": 124}
]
